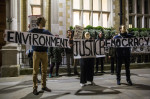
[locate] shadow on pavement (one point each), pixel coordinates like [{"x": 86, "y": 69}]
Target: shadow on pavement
[
  {"x": 21, "y": 85},
  {"x": 31, "y": 96},
  {"x": 133, "y": 87},
  {"x": 55, "y": 96},
  {"x": 96, "y": 90}
]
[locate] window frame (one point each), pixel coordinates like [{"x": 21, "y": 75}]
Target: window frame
[
  {"x": 91, "y": 11},
  {"x": 136, "y": 15},
  {"x": 38, "y": 6}
]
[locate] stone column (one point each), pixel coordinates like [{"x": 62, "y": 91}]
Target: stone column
[
  {"x": 62, "y": 17},
  {"x": 23, "y": 15},
  {"x": 9, "y": 61},
  {"x": 116, "y": 17},
  {"x": 68, "y": 14},
  {"x": 48, "y": 14}
]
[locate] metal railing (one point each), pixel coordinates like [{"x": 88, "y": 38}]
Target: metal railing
[{"x": 135, "y": 58}]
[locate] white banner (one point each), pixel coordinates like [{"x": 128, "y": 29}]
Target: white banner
[
  {"x": 82, "y": 48},
  {"x": 128, "y": 42},
  {"x": 36, "y": 39},
  {"x": 140, "y": 49},
  {"x": 88, "y": 48}
]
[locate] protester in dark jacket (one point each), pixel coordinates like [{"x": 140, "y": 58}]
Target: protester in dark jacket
[
  {"x": 56, "y": 59},
  {"x": 86, "y": 66},
  {"x": 101, "y": 59},
  {"x": 123, "y": 54},
  {"x": 40, "y": 55}
]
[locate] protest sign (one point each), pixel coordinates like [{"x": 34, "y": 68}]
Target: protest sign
[
  {"x": 78, "y": 32},
  {"x": 32, "y": 21},
  {"x": 88, "y": 48},
  {"x": 127, "y": 42},
  {"x": 82, "y": 48},
  {"x": 35, "y": 39}
]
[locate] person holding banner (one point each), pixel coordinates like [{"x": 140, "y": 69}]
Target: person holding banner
[
  {"x": 56, "y": 58},
  {"x": 40, "y": 55},
  {"x": 69, "y": 54},
  {"x": 86, "y": 66},
  {"x": 112, "y": 59},
  {"x": 101, "y": 59},
  {"x": 123, "y": 54}
]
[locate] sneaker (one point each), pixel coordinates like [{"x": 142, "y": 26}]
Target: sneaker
[
  {"x": 50, "y": 75},
  {"x": 81, "y": 84},
  {"x": 129, "y": 82},
  {"x": 35, "y": 92},
  {"x": 118, "y": 82},
  {"x": 46, "y": 89}
]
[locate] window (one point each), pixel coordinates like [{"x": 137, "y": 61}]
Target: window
[
  {"x": 105, "y": 19},
  {"x": 76, "y": 4},
  {"x": 91, "y": 12},
  {"x": 95, "y": 19},
  {"x": 139, "y": 22},
  {"x": 95, "y": 5},
  {"x": 147, "y": 21},
  {"x": 146, "y": 7},
  {"x": 36, "y": 7},
  {"x": 76, "y": 17},
  {"x": 130, "y": 3},
  {"x": 86, "y": 4},
  {"x": 131, "y": 21},
  {"x": 139, "y": 6},
  {"x": 139, "y": 13},
  {"x": 86, "y": 18}
]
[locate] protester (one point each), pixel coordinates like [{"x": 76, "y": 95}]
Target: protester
[
  {"x": 86, "y": 66},
  {"x": 69, "y": 54},
  {"x": 112, "y": 59},
  {"x": 56, "y": 58},
  {"x": 101, "y": 59},
  {"x": 40, "y": 55},
  {"x": 123, "y": 54}
]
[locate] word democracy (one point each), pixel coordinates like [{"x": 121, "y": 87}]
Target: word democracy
[{"x": 127, "y": 42}]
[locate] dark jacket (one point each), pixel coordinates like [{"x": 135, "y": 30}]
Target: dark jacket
[
  {"x": 70, "y": 50},
  {"x": 56, "y": 54},
  {"x": 123, "y": 51},
  {"x": 41, "y": 31},
  {"x": 112, "y": 51}
]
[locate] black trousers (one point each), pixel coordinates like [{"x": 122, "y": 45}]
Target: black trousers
[
  {"x": 112, "y": 64},
  {"x": 52, "y": 66},
  {"x": 102, "y": 63},
  {"x": 87, "y": 69},
  {"x": 120, "y": 60}
]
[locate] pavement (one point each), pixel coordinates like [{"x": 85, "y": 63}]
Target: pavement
[{"x": 65, "y": 87}]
